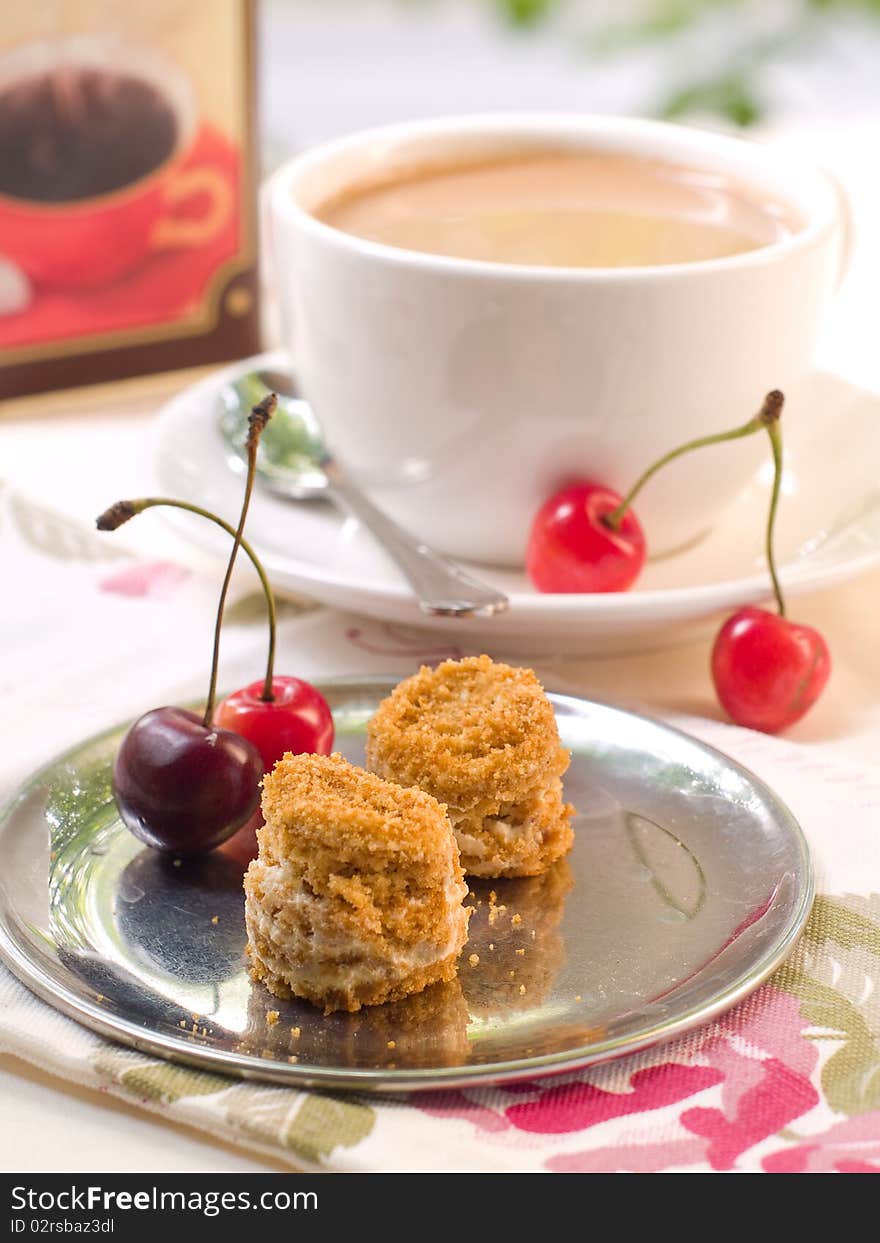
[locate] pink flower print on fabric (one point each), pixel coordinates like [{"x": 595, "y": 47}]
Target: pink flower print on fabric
[
  {"x": 157, "y": 580},
  {"x": 577, "y": 1106},
  {"x": 760, "y": 1094},
  {"x": 457, "y": 1105},
  {"x": 850, "y": 1147},
  {"x": 753, "y": 1068},
  {"x": 631, "y": 1158}
]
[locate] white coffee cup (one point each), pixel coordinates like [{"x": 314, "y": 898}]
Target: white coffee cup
[{"x": 462, "y": 393}]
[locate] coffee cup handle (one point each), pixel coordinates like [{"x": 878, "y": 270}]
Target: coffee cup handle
[{"x": 172, "y": 231}]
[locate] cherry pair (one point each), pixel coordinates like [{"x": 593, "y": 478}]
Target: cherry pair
[
  {"x": 767, "y": 670},
  {"x": 184, "y": 783}
]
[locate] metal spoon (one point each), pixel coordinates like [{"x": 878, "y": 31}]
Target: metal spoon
[{"x": 294, "y": 463}]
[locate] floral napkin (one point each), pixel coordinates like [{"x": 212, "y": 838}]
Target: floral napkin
[{"x": 789, "y": 1081}]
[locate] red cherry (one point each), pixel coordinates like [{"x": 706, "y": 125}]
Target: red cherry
[
  {"x": 297, "y": 719},
  {"x": 182, "y": 786},
  {"x": 572, "y": 547},
  {"x": 768, "y": 671}
]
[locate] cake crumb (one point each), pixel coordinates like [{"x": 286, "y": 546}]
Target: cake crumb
[
  {"x": 491, "y": 945},
  {"x": 474, "y": 959},
  {"x": 516, "y": 919},
  {"x": 215, "y": 919},
  {"x": 293, "y": 1058},
  {"x": 296, "y": 1032},
  {"x": 522, "y": 989},
  {"x": 182, "y": 1023},
  {"x": 578, "y": 997},
  {"x": 272, "y": 1017},
  {"x": 521, "y": 952},
  {"x": 392, "y": 1044},
  {"x": 511, "y": 974},
  {"x": 533, "y": 934}
]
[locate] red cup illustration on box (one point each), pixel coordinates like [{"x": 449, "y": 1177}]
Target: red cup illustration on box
[{"x": 99, "y": 166}]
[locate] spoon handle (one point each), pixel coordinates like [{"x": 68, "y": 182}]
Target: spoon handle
[{"x": 443, "y": 589}]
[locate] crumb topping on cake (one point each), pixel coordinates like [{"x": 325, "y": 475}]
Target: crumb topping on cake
[
  {"x": 349, "y": 808},
  {"x": 464, "y": 730}
]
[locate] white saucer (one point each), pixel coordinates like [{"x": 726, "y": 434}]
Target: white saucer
[{"x": 828, "y": 530}]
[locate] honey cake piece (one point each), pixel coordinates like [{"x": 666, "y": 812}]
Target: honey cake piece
[
  {"x": 481, "y": 737},
  {"x": 356, "y": 895}
]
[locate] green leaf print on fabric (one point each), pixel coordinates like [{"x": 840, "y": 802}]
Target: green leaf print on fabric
[
  {"x": 153, "y": 1080},
  {"x": 835, "y": 975},
  {"x": 250, "y": 610},
  {"x": 831, "y": 920},
  {"x": 851, "y": 1078},
  {"x": 325, "y": 1122},
  {"x": 309, "y": 1125}
]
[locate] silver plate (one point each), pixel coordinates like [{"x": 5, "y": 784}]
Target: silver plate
[{"x": 688, "y": 883}]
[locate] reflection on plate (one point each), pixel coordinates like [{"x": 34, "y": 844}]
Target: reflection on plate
[
  {"x": 687, "y": 885},
  {"x": 828, "y": 530}
]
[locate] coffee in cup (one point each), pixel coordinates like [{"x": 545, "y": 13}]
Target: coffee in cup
[{"x": 564, "y": 208}]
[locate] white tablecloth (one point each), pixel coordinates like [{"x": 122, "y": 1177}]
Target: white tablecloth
[{"x": 74, "y": 453}]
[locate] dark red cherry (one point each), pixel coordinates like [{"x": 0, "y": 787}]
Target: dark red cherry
[{"x": 183, "y": 787}]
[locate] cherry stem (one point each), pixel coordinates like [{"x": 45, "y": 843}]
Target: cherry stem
[
  {"x": 119, "y": 513},
  {"x": 767, "y": 416},
  {"x": 775, "y": 434},
  {"x": 122, "y": 511},
  {"x": 257, "y": 420}
]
